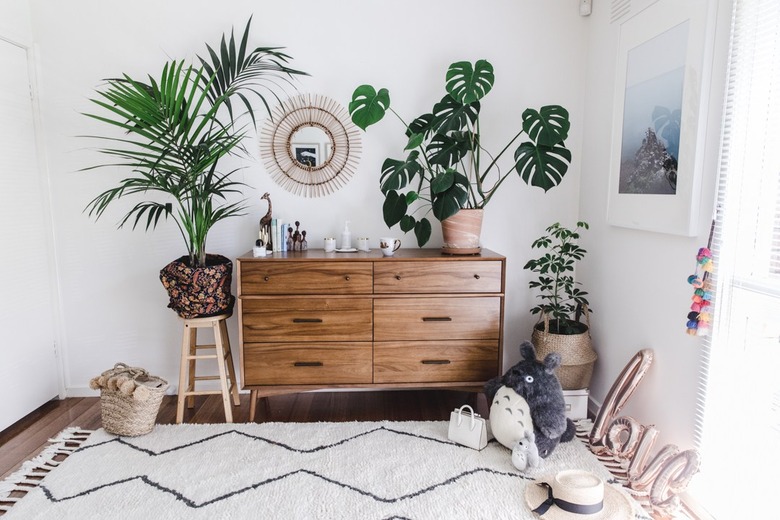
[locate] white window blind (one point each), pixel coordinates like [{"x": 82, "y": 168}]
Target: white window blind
[{"x": 739, "y": 422}]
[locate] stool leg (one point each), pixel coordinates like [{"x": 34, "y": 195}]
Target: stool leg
[
  {"x": 193, "y": 352},
  {"x": 229, "y": 362},
  {"x": 185, "y": 352},
  {"x": 222, "y": 375}
]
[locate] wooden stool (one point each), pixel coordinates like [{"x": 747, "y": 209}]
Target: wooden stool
[{"x": 189, "y": 355}]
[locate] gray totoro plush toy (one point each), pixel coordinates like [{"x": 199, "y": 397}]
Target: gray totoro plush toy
[
  {"x": 537, "y": 383},
  {"x": 525, "y": 454}
]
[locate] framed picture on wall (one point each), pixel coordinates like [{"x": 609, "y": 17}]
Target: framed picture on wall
[
  {"x": 659, "y": 120},
  {"x": 307, "y": 154}
]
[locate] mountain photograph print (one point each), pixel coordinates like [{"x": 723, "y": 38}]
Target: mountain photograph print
[{"x": 650, "y": 146}]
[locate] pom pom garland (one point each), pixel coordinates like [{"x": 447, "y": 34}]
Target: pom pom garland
[{"x": 699, "y": 318}]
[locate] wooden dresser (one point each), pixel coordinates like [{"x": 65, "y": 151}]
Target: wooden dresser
[{"x": 311, "y": 320}]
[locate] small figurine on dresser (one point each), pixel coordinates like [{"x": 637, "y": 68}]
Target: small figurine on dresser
[
  {"x": 298, "y": 242},
  {"x": 265, "y": 223}
]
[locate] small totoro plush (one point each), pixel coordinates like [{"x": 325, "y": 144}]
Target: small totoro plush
[
  {"x": 525, "y": 454},
  {"x": 536, "y": 382}
]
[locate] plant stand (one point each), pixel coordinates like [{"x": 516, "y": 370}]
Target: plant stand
[{"x": 189, "y": 355}]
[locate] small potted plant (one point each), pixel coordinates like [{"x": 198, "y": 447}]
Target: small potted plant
[
  {"x": 562, "y": 304},
  {"x": 170, "y": 134},
  {"x": 444, "y": 168}
]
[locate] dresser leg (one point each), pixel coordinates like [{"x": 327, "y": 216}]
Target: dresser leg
[{"x": 252, "y": 405}]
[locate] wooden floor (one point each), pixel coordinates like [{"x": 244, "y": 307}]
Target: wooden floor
[{"x": 26, "y": 438}]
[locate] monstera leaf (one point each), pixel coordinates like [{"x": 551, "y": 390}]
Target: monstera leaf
[
  {"x": 397, "y": 174},
  {"x": 414, "y": 141},
  {"x": 423, "y": 125},
  {"x": 467, "y": 83},
  {"x": 407, "y": 223},
  {"x": 547, "y": 127},
  {"x": 445, "y": 151},
  {"x": 450, "y": 115},
  {"x": 422, "y": 230},
  {"x": 542, "y": 166},
  {"x": 368, "y": 106},
  {"x": 442, "y": 182},
  {"x": 449, "y": 201},
  {"x": 394, "y": 208}
]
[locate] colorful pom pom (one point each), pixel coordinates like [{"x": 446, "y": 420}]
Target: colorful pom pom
[{"x": 699, "y": 318}]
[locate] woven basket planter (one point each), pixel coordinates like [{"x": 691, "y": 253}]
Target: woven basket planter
[
  {"x": 129, "y": 399},
  {"x": 199, "y": 292},
  {"x": 576, "y": 350}
]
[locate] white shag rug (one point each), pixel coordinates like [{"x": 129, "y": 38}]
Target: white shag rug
[{"x": 359, "y": 470}]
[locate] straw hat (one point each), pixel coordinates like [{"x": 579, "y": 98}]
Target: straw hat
[{"x": 576, "y": 494}]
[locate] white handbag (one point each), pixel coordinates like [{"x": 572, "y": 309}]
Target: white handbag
[{"x": 467, "y": 428}]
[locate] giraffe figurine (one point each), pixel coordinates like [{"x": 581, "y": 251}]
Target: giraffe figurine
[{"x": 265, "y": 223}]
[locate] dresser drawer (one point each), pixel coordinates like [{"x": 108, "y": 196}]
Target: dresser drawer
[
  {"x": 306, "y": 319},
  {"x": 437, "y": 318},
  {"x": 272, "y": 277},
  {"x": 435, "y": 361},
  {"x": 310, "y": 364},
  {"x": 464, "y": 276}
]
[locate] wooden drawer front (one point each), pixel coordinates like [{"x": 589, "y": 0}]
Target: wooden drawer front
[
  {"x": 436, "y": 318},
  {"x": 306, "y": 319},
  {"x": 435, "y": 361},
  {"x": 454, "y": 276},
  {"x": 270, "y": 277},
  {"x": 310, "y": 364}
]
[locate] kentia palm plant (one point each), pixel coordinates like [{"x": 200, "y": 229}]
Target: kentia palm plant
[
  {"x": 174, "y": 130},
  {"x": 444, "y": 167}
]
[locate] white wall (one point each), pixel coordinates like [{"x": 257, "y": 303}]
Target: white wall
[
  {"x": 15, "y": 21},
  {"x": 113, "y": 305},
  {"x": 638, "y": 279}
]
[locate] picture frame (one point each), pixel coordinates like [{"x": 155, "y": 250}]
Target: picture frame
[
  {"x": 307, "y": 154},
  {"x": 661, "y": 95}
]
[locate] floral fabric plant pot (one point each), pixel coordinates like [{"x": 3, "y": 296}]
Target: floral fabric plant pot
[{"x": 197, "y": 292}]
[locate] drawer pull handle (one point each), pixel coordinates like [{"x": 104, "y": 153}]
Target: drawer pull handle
[
  {"x": 308, "y": 363},
  {"x": 476, "y": 276},
  {"x": 307, "y": 320},
  {"x": 435, "y": 361},
  {"x": 437, "y": 318},
  {"x": 266, "y": 278},
  {"x": 398, "y": 277},
  {"x": 347, "y": 278}
]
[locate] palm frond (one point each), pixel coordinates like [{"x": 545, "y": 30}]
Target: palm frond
[{"x": 171, "y": 133}]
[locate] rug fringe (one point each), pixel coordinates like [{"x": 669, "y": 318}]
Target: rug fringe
[{"x": 32, "y": 472}]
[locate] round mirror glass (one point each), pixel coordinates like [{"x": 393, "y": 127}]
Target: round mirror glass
[{"x": 311, "y": 146}]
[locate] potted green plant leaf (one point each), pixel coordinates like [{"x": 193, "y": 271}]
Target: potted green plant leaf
[
  {"x": 171, "y": 132},
  {"x": 562, "y": 304},
  {"x": 446, "y": 167}
]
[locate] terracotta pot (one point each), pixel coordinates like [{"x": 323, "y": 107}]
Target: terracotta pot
[
  {"x": 197, "y": 292},
  {"x": 462, "y": 231}
]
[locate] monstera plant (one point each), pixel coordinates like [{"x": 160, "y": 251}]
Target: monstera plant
[
  {"x": 170, "y": 133},
  {"x": 446, "y": 166}
]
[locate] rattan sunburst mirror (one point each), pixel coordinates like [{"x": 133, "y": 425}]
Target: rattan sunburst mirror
[{"x": 310, "y": 146}]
